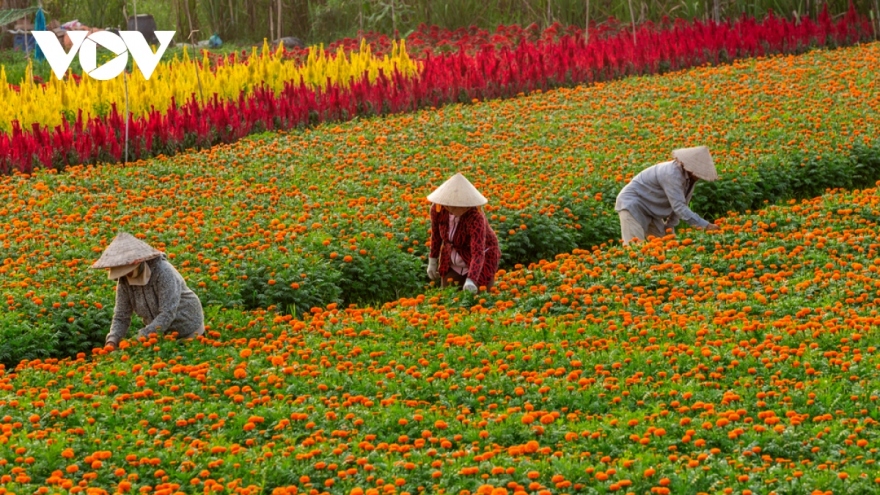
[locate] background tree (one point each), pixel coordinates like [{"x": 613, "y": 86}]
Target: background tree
[{"x": 322, "y": 21}]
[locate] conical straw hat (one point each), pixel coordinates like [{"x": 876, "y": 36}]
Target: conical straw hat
[
  {"x": 126, "y": 249},
  {"x": 457, "y": 191},
  {"x": 697, "y": 161}
]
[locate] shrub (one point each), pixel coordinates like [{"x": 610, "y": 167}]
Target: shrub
[
  {"x": 383, "y": 273},
  {"x": 292, "y": 282},
  {"x": 82, "y": 328},
  {"x": 543, "y": 238},
  {"x": 23, "y": 339},
  {"x": 795, "y": 176}
]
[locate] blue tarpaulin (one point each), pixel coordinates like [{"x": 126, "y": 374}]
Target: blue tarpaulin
[{"x": 40, "y": 25}]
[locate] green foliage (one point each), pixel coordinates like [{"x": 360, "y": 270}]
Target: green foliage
[
  {"x": 293, "y": 283},
  {"x": 335, "y": 18},
  {"x": 20, "y": 339},
  {"x": 61, "y": 329},
  {"x": 15, "y": 63},
  {"x": 80, "y": 328},
  {"x": 384, "y": 273},
  {"x": 784, "y": 177},
  {"x": 543, "y": 238},
  {"x": 8, "y": 16},
  {"x": 323, "y": 21},
  {"x": 329, "y": 273}
]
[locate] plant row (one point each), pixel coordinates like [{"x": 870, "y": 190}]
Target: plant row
[
  {"x": 337, "y": 213},
  {"x": 181, "y": 79},
  {"x": 194, "y": 121},
  {"x": 741, "y": 361}
]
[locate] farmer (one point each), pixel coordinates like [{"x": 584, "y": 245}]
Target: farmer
[
  {"x": 464, "y": 248},
  {"x": 151, "y": 288},
  {"x": 657, "y": 198}
]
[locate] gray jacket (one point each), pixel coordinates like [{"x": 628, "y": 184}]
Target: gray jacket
[
  {"x": 165, "y": 304},
  {"x": 659, "y": 192}
]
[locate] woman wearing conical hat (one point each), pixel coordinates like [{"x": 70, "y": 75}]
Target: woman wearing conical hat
[
  {"x": 658, "y": 197},
  {"x": 148, "y": 286},
  {"x": 464, "y": 248}
]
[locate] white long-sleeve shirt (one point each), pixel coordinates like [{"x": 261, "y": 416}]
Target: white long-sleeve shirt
[{"x": 660, "y": 192}]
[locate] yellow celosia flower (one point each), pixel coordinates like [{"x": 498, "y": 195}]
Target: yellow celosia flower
[{"x": 182, "y": 79}]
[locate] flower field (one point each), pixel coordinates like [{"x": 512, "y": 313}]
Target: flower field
[
  {"x": 742, "y": 361},
  {"x": 738, "y": 362},
  {"x": 55, "y": 125},
  {"x": 337, "y": 214}
]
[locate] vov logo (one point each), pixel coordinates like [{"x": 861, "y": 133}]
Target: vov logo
[{"x": 86, "y": 45}]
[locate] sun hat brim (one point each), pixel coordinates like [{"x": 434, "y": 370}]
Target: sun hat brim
[
  {"x": 698, "y": 161},
  {"x": 126, "y": 249}
]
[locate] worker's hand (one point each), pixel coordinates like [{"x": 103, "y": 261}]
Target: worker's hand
[
  {"x": 433, "y": 272},
  {"x": 470, "y": 286},
  {"x": 110, "y": 346},
  {"x": 712, "y": 226}
]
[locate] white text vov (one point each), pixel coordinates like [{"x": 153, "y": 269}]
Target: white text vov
[{"x": 86, "y": 45}]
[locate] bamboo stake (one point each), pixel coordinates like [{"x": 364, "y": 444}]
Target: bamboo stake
[
  {"x": 125, "y": 85},
  {"x": 632, "y": 17},
  {"x": 176, "y": 4},
  {"x": 188, "y": 17},
  {"x": 876, "y": 18},
  {"x": 271, "y": 25},
  {"x": 279, "y": 20},
  {"x": 587, "y": 25},
  {"x": 196, "y": 63}
]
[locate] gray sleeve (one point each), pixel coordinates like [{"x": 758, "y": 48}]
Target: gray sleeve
[
  {"x": 121, "y": 315},
  {"x": 168, "y": 289},
  {"x": 674, "y": 190}
]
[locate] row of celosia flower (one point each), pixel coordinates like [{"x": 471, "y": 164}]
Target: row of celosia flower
[
  {"x": 46, "y": 104},
  {"x": 490, "y": 72}
]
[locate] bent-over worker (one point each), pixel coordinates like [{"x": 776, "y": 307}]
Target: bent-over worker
[
  {"x": 148, "y": 286},
  {"x": 464, "y": 248},
  {"x": 658, "y": 197}
]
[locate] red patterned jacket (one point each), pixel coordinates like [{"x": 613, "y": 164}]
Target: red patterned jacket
[{"x": 474, "y": 240}]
